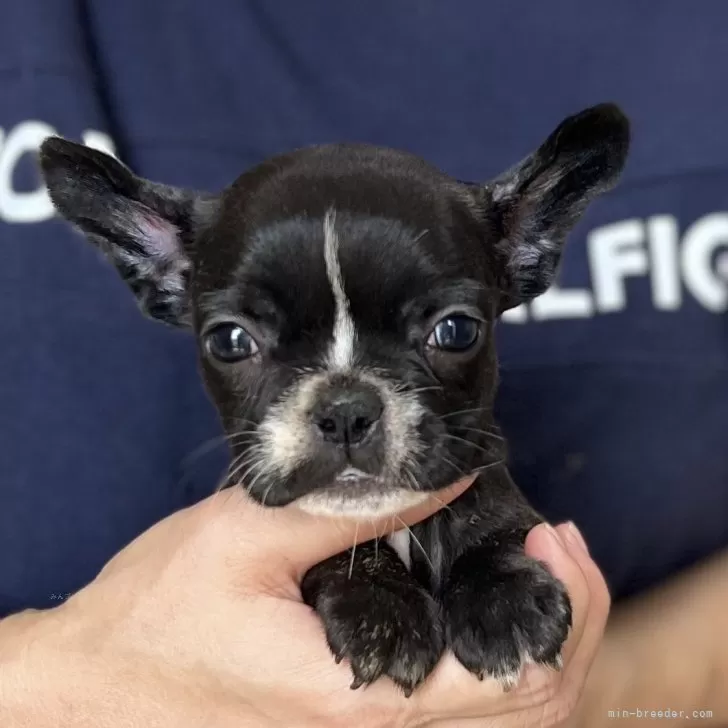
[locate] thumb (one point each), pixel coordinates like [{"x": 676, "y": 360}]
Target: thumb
[{"x": 305, "y": 540}]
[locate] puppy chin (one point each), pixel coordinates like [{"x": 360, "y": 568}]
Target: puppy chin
[{"x": 341, "y": 502}]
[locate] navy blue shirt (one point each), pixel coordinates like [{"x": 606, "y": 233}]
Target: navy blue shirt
[{"x": 615, "y": 384}]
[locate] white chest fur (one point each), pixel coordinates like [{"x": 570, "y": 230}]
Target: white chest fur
[{"x": 400, "y": 542}]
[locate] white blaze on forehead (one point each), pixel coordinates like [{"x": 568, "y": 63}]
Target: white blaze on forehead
[{"x": 341, "y": 354}]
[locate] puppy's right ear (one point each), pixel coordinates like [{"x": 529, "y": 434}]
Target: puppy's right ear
[
  {"x": 535, "y": 205},
  {"x": 145, "y": 229}
]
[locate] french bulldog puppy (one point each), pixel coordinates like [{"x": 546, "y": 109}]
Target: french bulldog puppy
[{"x": 343, "y": 298}]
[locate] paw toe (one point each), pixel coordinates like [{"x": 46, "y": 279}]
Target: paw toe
[{"x": 522, "y": 614}]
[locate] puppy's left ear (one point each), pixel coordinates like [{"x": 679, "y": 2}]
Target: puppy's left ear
[
  {"x": 535, "y": 205},
  {"x": 147, "y": 230}
]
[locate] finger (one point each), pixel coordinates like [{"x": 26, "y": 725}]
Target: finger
[
  {"x": 560, "y": 698},
  {"x": 586, "y": 650},
  {"x": 549, "y": 546},
  {"x": 300, "y": 540},
  {"x": 308, "y": 540}
]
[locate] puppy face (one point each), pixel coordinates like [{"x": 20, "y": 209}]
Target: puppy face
[{"x": 343, "y": 298}]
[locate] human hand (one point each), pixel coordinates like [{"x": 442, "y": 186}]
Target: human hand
[
  {"x": 662, "y": 653},
  {"x": 199, "y": 622}
]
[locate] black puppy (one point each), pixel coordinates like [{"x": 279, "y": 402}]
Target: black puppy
[{"x": 344, "y": 298}]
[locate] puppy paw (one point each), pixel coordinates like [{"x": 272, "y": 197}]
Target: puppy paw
[
  {"x": 383, "y": 631},
  {"x": 504, "y": 613}
]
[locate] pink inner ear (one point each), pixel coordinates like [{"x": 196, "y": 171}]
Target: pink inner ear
[{"x": 158, "y": 236}]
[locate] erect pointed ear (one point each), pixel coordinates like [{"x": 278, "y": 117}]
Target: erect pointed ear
[
  {"x": 146, "y": 229},
  {"x": 535, "y": 205}
]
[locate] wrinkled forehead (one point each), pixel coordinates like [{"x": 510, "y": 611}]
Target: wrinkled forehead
[
  {"x": 352, "y": 233},
  {"x": 371, "y": 266}
]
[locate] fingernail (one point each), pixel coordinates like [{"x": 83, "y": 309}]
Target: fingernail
[
  {"x": 554, "y": 534},
  {"x": 573, "y": 535}
]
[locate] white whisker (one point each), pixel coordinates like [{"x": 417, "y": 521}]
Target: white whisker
[
  {"x": 353, "y": 551},
  {"x": 462, "y": 412},
  {"x": 467, "y": 442}
]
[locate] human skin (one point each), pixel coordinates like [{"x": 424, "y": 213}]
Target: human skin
[
  {"x": 664, "y": 650},
  {"x": 200, "y": 622}
]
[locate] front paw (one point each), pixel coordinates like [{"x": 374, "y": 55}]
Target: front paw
[
  {"x": 503, "y": 612},
  {"x": 392, "y": 630}
]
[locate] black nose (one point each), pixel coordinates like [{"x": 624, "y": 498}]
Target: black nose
[{"x": 345, "y": 415}]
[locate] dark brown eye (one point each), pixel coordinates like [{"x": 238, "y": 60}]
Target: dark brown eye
[
  {"x": 230, "y": 342},
  {"x": 455, "y": 333}
]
